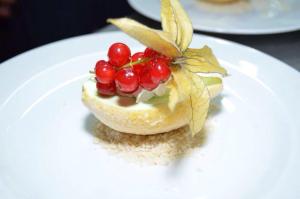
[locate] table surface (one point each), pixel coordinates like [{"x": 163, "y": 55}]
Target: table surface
[{"x": 284, "y": 46}]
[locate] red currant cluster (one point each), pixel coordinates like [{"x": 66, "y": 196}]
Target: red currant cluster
[{"x": 126, "y": 74}]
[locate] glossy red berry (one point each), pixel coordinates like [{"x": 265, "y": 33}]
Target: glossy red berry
[
  {"x": 106, "y": 89},
  {"x": 137, "y": 68},
  {"x": 118, "y": 54},
  {"x": 166, "y": 59},
  {"x": 160, "y": 70},
  {"x": 132, "y": 94},
  {"x": 151, "y": 53},
  {"x": 137, "y": 56},
  {"x": 126, "y": 80},
  {"x": 146, "y": 80},
  {"x": 105, "y": 72}
]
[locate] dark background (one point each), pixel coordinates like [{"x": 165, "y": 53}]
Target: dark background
[{"x": 32, "y": 23}]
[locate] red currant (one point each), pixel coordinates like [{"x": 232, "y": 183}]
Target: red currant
[
  {"x": 137, "y": 68},
  {"x": 167, "y": 59},
  {"x": 132, "y": 94},
  {"x": 105, "y": 73},
  {"x": 146, "y": 80},
  {"x": 150, "y": 53},
  {"x": 106, "y": 89},
  {"x": 118, "y": 54},
  {"x": 126, "y": 80},
  {"x": 159, "y": 70}
]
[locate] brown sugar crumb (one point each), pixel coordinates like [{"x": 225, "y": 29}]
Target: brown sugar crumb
[{"x": 158, "y": 149}]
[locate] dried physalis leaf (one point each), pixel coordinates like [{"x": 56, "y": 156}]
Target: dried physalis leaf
[
  {"x": 183, "y": 83},
  {"x": 214, "y": 85},
  {"x": 199, "y": 100},
  {"x": 176, "y": 22},
  {"x": 201, "y": 61},
  {"x": 173, "y": 95},
  {"x": 168, "y": 20},
  {"x": 155, "y": 39},
  {"x": 209, "y": 81}
]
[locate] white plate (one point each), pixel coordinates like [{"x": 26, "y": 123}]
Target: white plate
[
  {"x": 46, "y": 151},
  {"x": 246, "y": 17}
]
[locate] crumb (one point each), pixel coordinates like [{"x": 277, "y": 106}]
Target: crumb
[{"x": 158, "y": 149}]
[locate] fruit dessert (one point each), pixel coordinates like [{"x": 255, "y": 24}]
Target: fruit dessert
[{"x": 165, "y": 86}]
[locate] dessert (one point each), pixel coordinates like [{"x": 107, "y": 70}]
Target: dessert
[{"x": 164, "y": 87}]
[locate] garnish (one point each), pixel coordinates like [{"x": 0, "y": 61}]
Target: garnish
[
  {"x": 130, "y": 75},
  {"x": 118, "y": 54},
  {"x": 126, "y": 80},
  {"x": 105, "y": 72},
  {"x": 106, "y": 89},
  {"x": 174, "y": 42}
]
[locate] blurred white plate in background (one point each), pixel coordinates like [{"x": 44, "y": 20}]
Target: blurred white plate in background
[
  {"x": 243, "y": 17},
  {"x": 47, "y": 150}
]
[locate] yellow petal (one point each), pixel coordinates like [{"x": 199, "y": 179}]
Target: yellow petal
[
  {"x": 183, "y": 83},
  {"x": 173, "y": 95},
  {"x": 155, "y": 39},
  {"x": 168, "y": 21},
  {"x": 181, "y": 90},
  {"x": 214, "y": 85},
  {"x": 199, "y": 100},
  {"x": 176, "y": 22},
  {"x": 209, "y": 81},
  {"x": 202, "y": 61}
]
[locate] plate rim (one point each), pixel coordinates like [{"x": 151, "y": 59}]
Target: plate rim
[{"x": 244, "y": 31}]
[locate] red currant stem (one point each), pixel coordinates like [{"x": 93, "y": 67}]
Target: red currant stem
[
  {"x": 92, "y": 72},
  {"x": 180, "y": 60},
  {"x": 130, "y": 64}
]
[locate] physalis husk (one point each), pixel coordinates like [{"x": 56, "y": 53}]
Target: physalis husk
[{"x": 173, "y": 41}]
